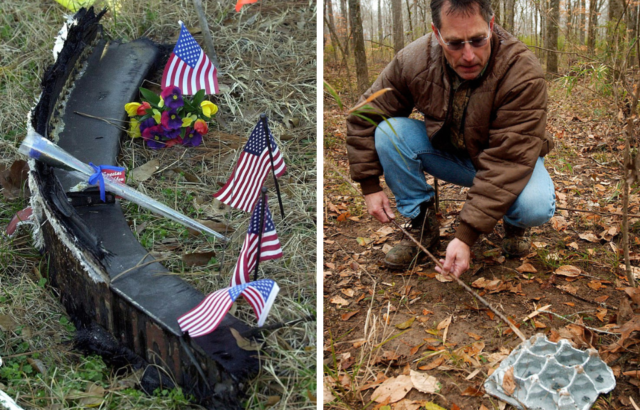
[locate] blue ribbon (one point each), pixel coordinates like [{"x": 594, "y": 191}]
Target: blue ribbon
[{"x": 97, "y": 178}]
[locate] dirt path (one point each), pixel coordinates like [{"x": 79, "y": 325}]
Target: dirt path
[{"x": 382, "y": 324}]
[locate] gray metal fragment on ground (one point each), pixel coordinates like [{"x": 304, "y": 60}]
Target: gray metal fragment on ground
[{"x": 551, "y": 375}]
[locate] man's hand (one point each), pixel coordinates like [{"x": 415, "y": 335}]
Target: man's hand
[
  {"x": 458, "y": 257},
  {"x": 377, "y": 204}
]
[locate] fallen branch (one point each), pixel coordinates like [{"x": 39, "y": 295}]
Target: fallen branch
[
  {"x": 593, "y": 329},
  {"x": 601, "y": 304}
]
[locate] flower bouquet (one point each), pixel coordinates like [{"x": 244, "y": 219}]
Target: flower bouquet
[{"x": 170, "y": 118}]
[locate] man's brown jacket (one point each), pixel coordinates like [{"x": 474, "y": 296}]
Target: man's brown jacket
[{"x": 504, "y": 122}]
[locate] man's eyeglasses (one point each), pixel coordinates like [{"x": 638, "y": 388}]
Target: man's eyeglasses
[{"x": 458, "y": 45}]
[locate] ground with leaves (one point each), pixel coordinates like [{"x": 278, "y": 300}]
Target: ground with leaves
[{"x": 411, "y": 339}]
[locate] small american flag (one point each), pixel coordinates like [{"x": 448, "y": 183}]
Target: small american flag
[
  {"x": 269, "y": 248},
  {"x": 242, "y": 190},
  {"x": 206, "y": 317},
  {"x": 261, "y": 294},
  {"x": 189, "y": 68}
]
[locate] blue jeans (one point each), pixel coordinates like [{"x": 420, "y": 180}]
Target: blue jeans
[{"x": 406, "y": 154}]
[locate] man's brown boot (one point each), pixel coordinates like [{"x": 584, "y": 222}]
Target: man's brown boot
[
  {"x": 425, "y": 228},
  {"x": 515, "y": 242}
]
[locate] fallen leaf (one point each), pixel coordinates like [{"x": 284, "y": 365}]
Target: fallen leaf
[
  {"x": 415, "y": 349},
  {"x": 490, "y": 314},
  {"x": 144, "y": 172},
  {"x": 433, "y": 364},
  {"x": 432, "y": 406},
  {"x": 601, "y": 299},
  {"x": 596, "y": 285},
  {"x": 343, "y": 216},
  {"x": 539, "y": 325},
  {"x": 625, "y": 331},
  {"x": 406, "y": 325},
  {"x": 445, "y": 323},
  {"x": 363, "y": 241},
  {"x": 526, "y": 268},
  {"x": 634, "y": 294},
  {"x": 393, "y": 389},
  {"x": 93, "y": 397},
  {"x": 508, "y": 382},
  {"x": 443, "y": 279},
  {"x": 602, "y": 313},
  {"x": 197, "y": 259},
  {"x": 349, "y": 315},
  {"x": 590, "y": 237},
  {"x": 574, "y": 246},
  {"x": 339, "y": 300},
  {"x": 570, "y": 304},
  {"x": 244, "y": 343},
  {"x": 568, "y": 270},
  {"x": 348, "y": 292},
  {"x": 473, "y": 335},
  {"x": 327, "y": 394},
  {"x": 472, "y": 391},
  {"x": 424, "y": 383},
  {"x": 540, "y": 245}
]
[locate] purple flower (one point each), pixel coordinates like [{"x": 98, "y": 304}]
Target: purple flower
[
  {"x": 155, "y": 136},
  {"x": 149, "y": 122},
  {"x": 192, "y": 138},
  {"x": 171, "y": 120},
  {"x": 154, "y": 144},
  {"x": 172, "y": 97},
  {"x": 171, "y": 134}
]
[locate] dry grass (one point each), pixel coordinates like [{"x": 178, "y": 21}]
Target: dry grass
[{"x": 267, "y": 59}]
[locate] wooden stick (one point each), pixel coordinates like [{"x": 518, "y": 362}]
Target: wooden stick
[
  {"x": 206, "y": 34},
  {"x": 461, "y": 283}
]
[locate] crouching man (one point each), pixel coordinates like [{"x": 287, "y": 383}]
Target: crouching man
[{"x": 483, "y": 97}]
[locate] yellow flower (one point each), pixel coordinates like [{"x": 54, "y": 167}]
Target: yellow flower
[
  {"x": 157, "y": 116},
  {"x": 134, "y": 128},
  {"x": 209, "y": 108},
  {"x": 161, "y": 103},
  {"x": 187, "y": 121},
  {"x": 132, "y": 108}
]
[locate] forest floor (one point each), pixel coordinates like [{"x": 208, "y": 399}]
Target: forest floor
[{"x": 382, "y": 326}]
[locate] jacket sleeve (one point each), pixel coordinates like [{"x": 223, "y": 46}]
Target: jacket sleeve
[
  {"x": 363, "y": 160},
  {"x": 504, "y": 168}
]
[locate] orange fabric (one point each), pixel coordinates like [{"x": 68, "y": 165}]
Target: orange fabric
[{"x": 241, "y": 3}]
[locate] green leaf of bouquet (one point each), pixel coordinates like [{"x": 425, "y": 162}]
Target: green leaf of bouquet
[
  {"x": 198, "y": 98},
  {"x": 150, "y": 96}
]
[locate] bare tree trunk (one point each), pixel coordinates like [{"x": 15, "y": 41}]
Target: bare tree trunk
[
  {"x": 380, "y": 30},
  {"x": 593, "y": 23},
  {"x": 582, "y": 21},
  {"x": 495, "y": 5},
  {"x": 410, "y": 22},
  {"x": 509, "y": 15},
  {"x": 345, "y": 24},
  {"x": 355, "y": 21},
  {"x": 398, "y": 28},
  {"x": 552, "y": 37},
  {"x": 334, "y": 41}
]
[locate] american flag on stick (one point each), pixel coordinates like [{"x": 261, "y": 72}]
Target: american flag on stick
[
  {"x": 206, "y": 317},
  {"x": 189, "y": 68},
  {"x": 242, "y": 190},
  {"x": 261, "y": 294},
  {"x": 269, "y": 245}
]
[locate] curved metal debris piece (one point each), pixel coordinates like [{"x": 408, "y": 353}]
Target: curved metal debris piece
[{"x": 551, "y": 375}]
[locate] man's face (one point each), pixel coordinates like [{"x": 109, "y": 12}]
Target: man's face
[{"x": 469, "y": 61}]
